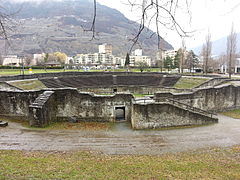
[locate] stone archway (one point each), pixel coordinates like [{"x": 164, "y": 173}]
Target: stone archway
[{"x": 120, "y": 113}]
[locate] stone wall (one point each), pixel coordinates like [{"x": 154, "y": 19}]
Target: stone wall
[
  {"x": 211, "y": 83},
  {"x": 69, "y": 74},
  {"x": 111, "y": 81},
  {"x": 43, "y": 110},
  {"x": 16, "y": 103},
  {"x": 211, "y": 99},
  {"x": 150, "y": 116},
  {"x": 6, "y": 87},
  {"x": 129, "y": 89},
  {"x": 87, "y": 107},
  {"x": 42, "y": 107},
  {"x": 45, "y": 107}
]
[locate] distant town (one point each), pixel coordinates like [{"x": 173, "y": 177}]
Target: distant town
[{"x": 169, "y": 60}]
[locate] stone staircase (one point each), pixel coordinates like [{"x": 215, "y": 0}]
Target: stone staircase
[
  {"x": 41, "y": 99},
  {"x": 191, "y": 108},
  {"x": 39, "y": 111}
]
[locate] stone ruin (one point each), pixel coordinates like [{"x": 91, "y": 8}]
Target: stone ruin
[{"x": 164, "y": 109}]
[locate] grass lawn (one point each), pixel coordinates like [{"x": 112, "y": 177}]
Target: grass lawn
[
  {"x": 28, "y": 84},
  {"x": 64, "y": 125},
  {"x": 213, "y": 163},
  {"x": 80, "y": 126},
  {"x": 233, "y": 113},
  {"x": 188, "y": 83},
  {"x": 5, "y": 72}
]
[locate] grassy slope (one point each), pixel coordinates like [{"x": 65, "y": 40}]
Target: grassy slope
[
  {"x": 188, "y": 83},
  {"x": 205, "y": 164},
  {"x": 233, "y": 113},
  {"x": 28, "y": 84}
]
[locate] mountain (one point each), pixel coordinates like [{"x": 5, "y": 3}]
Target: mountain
[
  {"x": 219, "y": 46},
  {"x": 49, "y": 26}
]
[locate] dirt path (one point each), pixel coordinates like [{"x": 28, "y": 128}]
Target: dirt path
[{"x": 121, "y": 139}]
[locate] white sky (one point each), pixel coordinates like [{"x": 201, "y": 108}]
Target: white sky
[{"x": 215, "y": 15}]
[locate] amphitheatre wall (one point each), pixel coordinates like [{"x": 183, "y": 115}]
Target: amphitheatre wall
[
  {"x": 214, "y": 99},
  {"x": 16, "y": 103},
  {"x": 6, "y": 86},
  {"x": 151, "y": 116},
  {"x": 84, "y": 106},
  {"x": 68, "y": 104},
  {"x": 69, "y": 74},
  {"x": 41, "y": 108}
]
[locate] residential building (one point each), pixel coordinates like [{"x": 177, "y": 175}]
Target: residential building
[
  {"x": 12, "y": 60},
  {"x": 105, "y": 49},
  {"x": 134, "y": 60},
  {"x": 169, "y": 53},
  {"x": 224, "y": 67},
  {"x": 96, "y": 58},
  {"x": 138, "y": 52}
]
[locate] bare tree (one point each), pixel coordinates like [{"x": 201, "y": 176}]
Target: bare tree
[
  {"x": 182, "y": 56},
  {"x": 206, "y": 52},
  {"x": 231, "y": 50},
  {"x": 3, "y": 24},
  {"x": 142, "y": 65},
  {"x": 93, "y": 26},
  {"x": 1, "y": 59},
  {"x": 28, "y": 59},
  {"x": 161, "y": 13},
  {"x": 7, "y": 25},
  {"x": 6, "y": 22}
]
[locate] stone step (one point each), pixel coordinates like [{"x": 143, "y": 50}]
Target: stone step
[{"x": 3, "y": 124}]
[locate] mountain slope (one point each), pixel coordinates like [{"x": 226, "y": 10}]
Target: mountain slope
[
  {"x": 49, "y": 26},
  {"x": 219, "y": 46}
]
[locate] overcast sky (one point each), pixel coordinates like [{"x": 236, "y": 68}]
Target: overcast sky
[{"x": 215, "y": 15}]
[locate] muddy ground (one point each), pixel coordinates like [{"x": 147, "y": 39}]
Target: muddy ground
[{"x": 121, "y": 139}]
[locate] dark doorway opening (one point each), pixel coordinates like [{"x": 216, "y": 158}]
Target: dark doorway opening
[
  {"x": 114, "y": 90},
  {"x": 120, "y": 113}
]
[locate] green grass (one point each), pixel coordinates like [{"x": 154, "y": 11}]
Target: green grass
[
  {"x": 80, "y": 126},
  {"x": 215, "y": 163},
  {"x": 64, "y": 125},
  {"x": 233, "y": 113},
  {"x": 5, "y": 72},
  {"x": 28, "y": 84},
  {"x": 188, "y": 83}
]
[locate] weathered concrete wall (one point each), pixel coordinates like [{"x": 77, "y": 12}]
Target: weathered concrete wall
[
  {"x": 40, "y": 109},
  {"x": 87, "y": 107},
  {"x": 111, "y": 81},
  {"x": 160, "y": 115},
  {"x": 16, "y": 103},
  {"x": 43, "y": 110},
  {"x": 130, "y": 89},
  {"x": 210, "y": 99},
  {"x": 7, "y": 87},
  {"x": 68, "y": 74},
  {"x": 211, "y": 83}
]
